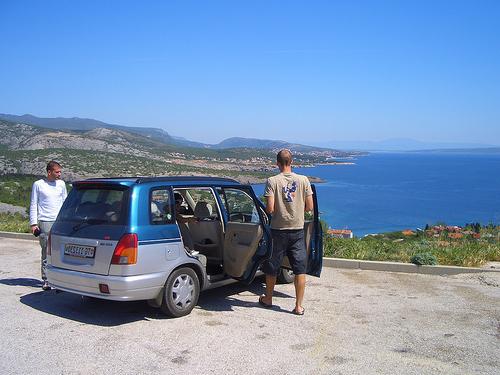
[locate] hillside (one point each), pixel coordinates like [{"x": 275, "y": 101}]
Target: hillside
[
  {"x": 25, "y": 149},
  {"x": 84, "y": 124},
  {"x": 269, "y": 145},
  {"x": 160, "y": 135}
]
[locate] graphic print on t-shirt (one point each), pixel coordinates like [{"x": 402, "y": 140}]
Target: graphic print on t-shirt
[{"x": 289, "y": 191}]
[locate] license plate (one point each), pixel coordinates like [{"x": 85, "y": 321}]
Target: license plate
[{"x": 79, "y": 251}]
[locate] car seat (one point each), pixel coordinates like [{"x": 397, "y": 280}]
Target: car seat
[
  {"x": 206, "y": 231},
  {"x": 203, "y": 210}
]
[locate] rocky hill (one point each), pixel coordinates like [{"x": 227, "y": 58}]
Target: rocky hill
[
  {"x": 160, "y": 135},
  {"x": 266, "y": 144},
  {"x": 25, "y": 149},
  {"x": 84, "y": 124}
]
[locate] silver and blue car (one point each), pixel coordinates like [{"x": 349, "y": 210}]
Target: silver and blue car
[{"x": 163, "y": 239}]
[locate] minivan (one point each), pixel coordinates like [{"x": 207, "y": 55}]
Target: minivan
[{"x": 164, "y": 239}]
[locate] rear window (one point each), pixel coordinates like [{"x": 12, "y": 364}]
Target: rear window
[{"x": 96, "y": 205}]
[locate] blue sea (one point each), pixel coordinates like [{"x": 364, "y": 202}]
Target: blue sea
[{"x": 385, "y": 192}]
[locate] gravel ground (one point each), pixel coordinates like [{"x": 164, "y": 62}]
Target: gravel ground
[{"x": 356, "y": 322}]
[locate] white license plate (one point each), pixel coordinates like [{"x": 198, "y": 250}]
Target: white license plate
[{"x": 79, "y": 251}]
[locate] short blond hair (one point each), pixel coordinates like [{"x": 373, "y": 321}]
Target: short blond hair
[{"x": 284, "y": 157}]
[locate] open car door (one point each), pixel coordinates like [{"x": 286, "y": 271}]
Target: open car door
[
  {"x": 247, "y": 238},
  {"x": 314, "y": 240}
]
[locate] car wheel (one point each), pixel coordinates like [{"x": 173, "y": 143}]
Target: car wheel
[
  {"x": 285, "y": 276},
  {"x": 181, "y": 293}
]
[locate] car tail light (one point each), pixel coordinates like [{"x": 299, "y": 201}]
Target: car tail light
[
  {"x": 104, "y": 288},
  {"x": 126, "y": 250},
  {"x": 49, "y": 245}
]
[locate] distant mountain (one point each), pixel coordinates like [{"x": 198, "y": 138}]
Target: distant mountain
[
  {"x": 85, "y": 124},
  {"x": 181, "y": 141},
  {"x": 265, "y": 144},
  {"x": 110, "y": 151},
  {"x": 399, "y": 144},
  {"x": 235, "y": 142},
  {"x": 20, "y": 136},
  {"x": 160, "y": 135}
]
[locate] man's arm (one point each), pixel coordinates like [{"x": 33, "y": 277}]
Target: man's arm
[
  {"x": 269, "y": 194},
  {"x": 270, "y": 204},
  {"x": 309, "y": 203},
  {"x": 64, "y": 192},
  {"x": 34, "y": 208}
]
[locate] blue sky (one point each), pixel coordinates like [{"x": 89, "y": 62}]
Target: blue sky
[{"x": 308, "y": 71}]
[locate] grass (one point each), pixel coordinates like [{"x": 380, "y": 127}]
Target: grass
[
  {"x": 16, "y": 189},
  {"x": 14, "y": 223},
  {"x": 398, "y": 248}
]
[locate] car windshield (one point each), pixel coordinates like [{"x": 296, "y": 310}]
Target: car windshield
[{"x": 91, "y": 205}]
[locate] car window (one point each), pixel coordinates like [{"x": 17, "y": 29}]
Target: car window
[
  {"x": 160, "y": 207},
  {"x": 99, "y": 205},
  {"x": 202, "y": 197},
  {"x": 241, "y": 206}
]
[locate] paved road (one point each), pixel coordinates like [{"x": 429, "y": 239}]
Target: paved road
[{"x": 356, "y": 322}]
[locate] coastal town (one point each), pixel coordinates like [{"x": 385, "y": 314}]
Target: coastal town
[{"x": 453, "y": 232}]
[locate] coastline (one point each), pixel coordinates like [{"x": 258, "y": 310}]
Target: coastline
[{"x": 254, "y": 180}]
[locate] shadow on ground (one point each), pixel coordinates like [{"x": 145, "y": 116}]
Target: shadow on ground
[
  {"x": 106, "y": 313},
  {"x": 22, "y": 281}
]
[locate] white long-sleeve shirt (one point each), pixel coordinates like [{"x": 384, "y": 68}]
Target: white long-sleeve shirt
[{"x": 47, "y": 198}]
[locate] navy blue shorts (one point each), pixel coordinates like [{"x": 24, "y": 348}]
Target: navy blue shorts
[{"x": 292, "y": 244}]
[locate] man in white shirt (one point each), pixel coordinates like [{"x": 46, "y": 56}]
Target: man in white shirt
[{"x": 47, "y": 197}]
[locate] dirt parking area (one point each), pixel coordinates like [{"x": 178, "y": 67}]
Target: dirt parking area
[{"x": 356, "y": 322}]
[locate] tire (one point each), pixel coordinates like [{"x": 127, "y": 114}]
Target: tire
[
  {"x": 285, "y": 276},
  {"x": 181, "y": 293}
]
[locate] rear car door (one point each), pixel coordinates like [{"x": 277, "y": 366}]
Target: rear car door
[
  {"x": 88, "y": 227},
  {"x": 247, "y": 238}
]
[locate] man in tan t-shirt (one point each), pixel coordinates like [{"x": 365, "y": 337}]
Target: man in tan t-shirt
[{"x": 288, "y": 196}]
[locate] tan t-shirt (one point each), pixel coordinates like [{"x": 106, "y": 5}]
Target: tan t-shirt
[{"x": 290, "y": 191}]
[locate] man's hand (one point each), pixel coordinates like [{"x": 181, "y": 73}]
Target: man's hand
[{"x": 34, "y": 228}]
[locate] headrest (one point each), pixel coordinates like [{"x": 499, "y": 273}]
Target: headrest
[
  {"x": 155, "y": 210},
  {"x": 203, "y": 210}
]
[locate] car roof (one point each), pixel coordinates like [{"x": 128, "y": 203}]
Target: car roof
[{"x": 171, "y": 180}]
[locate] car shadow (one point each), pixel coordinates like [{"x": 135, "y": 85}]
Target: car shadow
[
  {"x": 90, "y": 310},
  {"x": 107, "y": 313},
  {"x": 22, "y": 281}
]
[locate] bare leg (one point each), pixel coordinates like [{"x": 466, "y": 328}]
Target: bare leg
[
  {"x": 270, "y": 283},
  {"x": 300, "y": 286}
]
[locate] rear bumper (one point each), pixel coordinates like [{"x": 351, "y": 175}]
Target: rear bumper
[{"x": 121, "y": 288}]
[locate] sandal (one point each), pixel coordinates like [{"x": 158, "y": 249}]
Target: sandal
[
  {"x": 297, "y": 312},
  {"x": 263, "y": 304}
]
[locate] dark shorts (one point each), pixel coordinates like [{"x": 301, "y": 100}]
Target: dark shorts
[{"x": 292, "y": 244}]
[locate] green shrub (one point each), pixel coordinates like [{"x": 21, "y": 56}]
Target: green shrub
[
  {"x": 424, "y": 259},
  {"x": 10, "y": 222}
]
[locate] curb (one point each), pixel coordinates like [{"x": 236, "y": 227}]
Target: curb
[
  {"x": 401, "y": 267},
  {"x": 368, "y": 265},
  {"x": 19, "y": 236}
]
